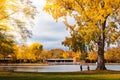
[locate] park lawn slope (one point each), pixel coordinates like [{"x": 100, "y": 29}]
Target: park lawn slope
[{"x": 84, "y": 75}]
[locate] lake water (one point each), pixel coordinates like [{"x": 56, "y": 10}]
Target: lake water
[{"x": 54, "y": 68}]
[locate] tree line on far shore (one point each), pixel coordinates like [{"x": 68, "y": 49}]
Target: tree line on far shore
[{"x": 35, "y": 53}]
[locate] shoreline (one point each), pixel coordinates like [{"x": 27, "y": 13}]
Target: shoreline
[
  {"x": 22, "y": 64},
  {"x": 40, "y": 64}
]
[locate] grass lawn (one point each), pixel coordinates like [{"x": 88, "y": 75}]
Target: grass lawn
[{"x": 84, "y": 75}]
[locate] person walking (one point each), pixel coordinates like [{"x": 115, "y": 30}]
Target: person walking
[
  {"x": 88, "y": 68},
  {"x": 81, "y": 67}
]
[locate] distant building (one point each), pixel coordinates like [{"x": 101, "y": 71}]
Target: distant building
[{"x": 61, "y": 61}]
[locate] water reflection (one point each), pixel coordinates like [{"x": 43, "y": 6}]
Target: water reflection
[{"x": 54, "y": 68}]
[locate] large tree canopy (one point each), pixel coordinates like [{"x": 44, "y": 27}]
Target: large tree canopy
[
  {"x": 96, "y": 21},
  {"x": 14, "y": 15}
]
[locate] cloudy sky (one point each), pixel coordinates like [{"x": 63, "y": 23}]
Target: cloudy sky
[{"x": 46, "y": 31}]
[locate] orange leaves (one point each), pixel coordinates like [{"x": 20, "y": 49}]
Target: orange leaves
[{"x": 65, "y": 55}]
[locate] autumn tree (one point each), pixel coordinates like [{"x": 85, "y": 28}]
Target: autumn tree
[
  {"x": 6, "y": 45},
  {"x": 92, "y": 56},
  {"x": 76, "y": 43},
  {"x": 57, "y": 53},
  {"x": 1, "y": 57},
  {"x": 118, "y": 54},
  {"x": 14, "y": 15},
  {"x": 36, "y": 49},
  {"x": 45, "y": 54},
  {"x": 112, "y": 54},
  {"x": 97, "y": 21},
  {"x": 15, "y": 52},
  {"x": 65, "y": 55},
  {"x": 22, "y": 53},
  {"x": 71, "y": 53},
  {"x": 77, "y": 55}
]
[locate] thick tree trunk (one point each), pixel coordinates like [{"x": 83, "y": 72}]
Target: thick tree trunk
[
  {"x": 101, "y": 43},
  {"x": 101, "y": 61}
]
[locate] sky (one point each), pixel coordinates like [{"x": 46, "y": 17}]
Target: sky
[{"x": 46, "y": 30}]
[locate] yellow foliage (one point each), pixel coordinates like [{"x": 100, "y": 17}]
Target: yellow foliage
[
  {"x": 65, "y": 55},
  {"x": 35, "y": 49},
  {"x": 90, "y": 15},
  {"x": 24, "y": 53},
  {"x": 45, "y": 54},
  {"x": 77, "y": 54},
  {"x": 92, "y": 56},
  {"x": 1, "y": 56},
  {"x": 36, "y": 46},
  {"x": 12, "y": 12},
  {"x": 112, "y": 54}
]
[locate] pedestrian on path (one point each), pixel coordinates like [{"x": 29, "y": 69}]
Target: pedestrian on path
[
  {"x": 88, "y": 67},
  {"x": 81, "y": 67}
]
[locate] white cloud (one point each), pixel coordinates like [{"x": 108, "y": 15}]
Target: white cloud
[{"x": 46, "y": 30}]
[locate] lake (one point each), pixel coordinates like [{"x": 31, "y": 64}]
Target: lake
[{"x": 54, "y": 68}]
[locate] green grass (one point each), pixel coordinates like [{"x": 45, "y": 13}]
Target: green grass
[{"x": 85, "y": 75}]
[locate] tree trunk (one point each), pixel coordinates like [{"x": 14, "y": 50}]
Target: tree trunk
[
  {"x": 101, "y": 43},
  {"x": 101, "y": 61}
]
